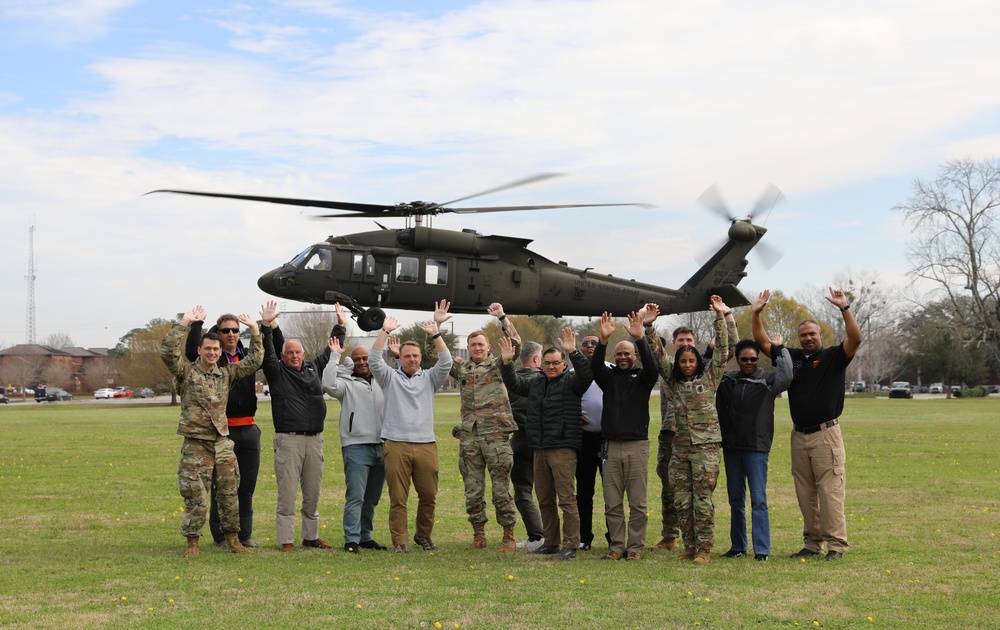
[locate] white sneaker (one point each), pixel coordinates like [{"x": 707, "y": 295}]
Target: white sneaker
[{"x": 531, "y": 545}]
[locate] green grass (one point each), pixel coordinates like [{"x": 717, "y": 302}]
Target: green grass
[{"x": 90, "y": 515}]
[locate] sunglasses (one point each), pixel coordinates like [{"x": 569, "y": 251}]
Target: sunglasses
[
  {"x": 748, "y": 359},
  {"x": 234, "y": 331},
  {"x": 587, "y": 344}
]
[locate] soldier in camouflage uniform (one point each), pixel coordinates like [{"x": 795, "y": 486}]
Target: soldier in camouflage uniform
[
  {"x": 207, "y": 456},
  {"x": 484, "y": 435},
  {"x": 694, "y": 464}
]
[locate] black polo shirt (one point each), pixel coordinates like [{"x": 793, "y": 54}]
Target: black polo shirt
[{"x": 816, "y": 394}]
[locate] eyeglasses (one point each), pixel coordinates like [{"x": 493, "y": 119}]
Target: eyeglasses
[
  {"x": 748, "y": 359},
  {"x": 588, "y": 344},
  {"x": 234, "y": 331},
  {"x": 552, "y": 363}
]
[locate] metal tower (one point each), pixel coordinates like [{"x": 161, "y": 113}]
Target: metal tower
[{"x": 29, "y": 324}]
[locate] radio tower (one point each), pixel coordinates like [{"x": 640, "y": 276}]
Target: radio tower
[{"x": 29, "y": 324}]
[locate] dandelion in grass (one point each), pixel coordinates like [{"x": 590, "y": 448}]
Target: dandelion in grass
[
  {"x": 707, "y": 600},
  {"x": 510, "y": 577},
  {"x": 581, "y": 581},
  {"x": 396, "y": 578},
  {"x": 358, "y": 606},
  {"x": 150, "y": 609},
  {"x": 124, "y": 598},
  {"x": 177, "y": 577},
  {"x": 815, "y": 623},
  {"x": 170, "y": 601},
  {"x": 240, "y": 580},
  {"x": 870, "y": 619},
  {"x": 437, "y": 624}
]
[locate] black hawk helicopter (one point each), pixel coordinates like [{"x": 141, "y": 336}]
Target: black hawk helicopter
[{"x": 410, "y": 268}]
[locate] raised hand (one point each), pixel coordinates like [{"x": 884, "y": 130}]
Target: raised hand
[
  {"x": 441, "y": 312},
  {"x": 607, "y": 326},
  {"x": 334, "y": 345},
  {"x": 496, "y": 310},
  {"x": 431, "y": 328},
  {"x": 394, "y": 345},
  {"x": 341, "y": 317},
  {"x": 390, "y": 324},
  {"x": 506, "y": 349},
  {"x": 650, "y": 311},
  {"x": 761, "y": 301},
  {"x": 249, "y": 322},
  {"x": 718, "y": 305},
  {"x": 776, "y": 338},
  {"x": 837, "y": 297},
  {"x": 269, "y": 312},
  {"x": 196, "y": 314},
  {"x": 568, "y": 340},
  {"x": 634, "y": 325}
]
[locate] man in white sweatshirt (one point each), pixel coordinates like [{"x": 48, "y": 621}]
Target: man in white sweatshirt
[{"x": 410, "y": 448}]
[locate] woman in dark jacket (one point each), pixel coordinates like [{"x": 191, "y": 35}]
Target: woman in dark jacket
[{"x": 745, "y": 401}]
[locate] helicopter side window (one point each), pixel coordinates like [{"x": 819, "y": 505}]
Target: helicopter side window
[
  {"x": 436, "y": 272},
  {"x": 369, "y": 267},
  {"x": 407, "y": 269},
  {"x": 362, "y": 264}
]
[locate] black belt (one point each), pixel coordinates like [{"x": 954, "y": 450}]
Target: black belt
[
  {"x": 306, "y": 433},
  {"x": 817, "y": 427}
]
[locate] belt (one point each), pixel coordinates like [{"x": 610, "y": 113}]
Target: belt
[
  {"x": 306, "y": 433},
  {"x": 817, "y": 427}
]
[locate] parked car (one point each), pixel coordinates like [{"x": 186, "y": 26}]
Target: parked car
[
  {"x": 900, "y": 389},
  {"x": 994, "y": 389},
  {"x": 3, "y": 399},
  {"x": 123, "y": 392},
  {"x": 143, "y": 392},
  {"x": 104, "y": 392},
  {"x": 859, "y": 386},
  {"x": 956, "y": 389},
  {"x": 924, "y": 389},
  {"x": 937, "y": 388},
  {"x": 53, "y": 394}
]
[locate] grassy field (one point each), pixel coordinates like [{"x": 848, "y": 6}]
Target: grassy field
[{"x": 90, "y": 514}]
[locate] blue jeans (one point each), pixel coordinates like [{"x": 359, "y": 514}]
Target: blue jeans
[
  {"x": 748, "y": 468},
  {"x": 364, "y": 475}
]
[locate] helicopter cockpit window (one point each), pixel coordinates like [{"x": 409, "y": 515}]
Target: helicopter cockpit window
[
  {"x": 436, "y": 272},
  {"x": 321, "y": 260},
  {"x": 407, "y": 269}
]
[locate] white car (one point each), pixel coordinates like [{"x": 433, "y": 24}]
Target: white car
[{"x": 104, "y": 392}]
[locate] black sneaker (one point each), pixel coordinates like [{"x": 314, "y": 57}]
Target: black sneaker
[
  {"x": 425, "y": 543},
  {"x": 734, "y": 553},
  {"x": 546, "y": 551},
  {"x": 352, "y": 548},
  {"x": 371, "y": 544},
  {"x": 565, "y": 554},
  {"x": 804, "y": 553},
  {"x": 834, "y": 555},
  {"x": 760, "y": 557}
]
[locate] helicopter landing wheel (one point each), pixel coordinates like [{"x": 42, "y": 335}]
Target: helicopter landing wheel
[{"x": 371, "y": 319}]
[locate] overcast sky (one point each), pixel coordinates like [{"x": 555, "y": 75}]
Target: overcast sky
[{"x": 841, "y": 105}]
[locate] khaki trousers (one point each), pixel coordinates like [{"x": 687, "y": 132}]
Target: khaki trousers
[
  {"x": 298, "y": 460},
  {"x": 555, "y": 474},
  {"x": 405, "y": 461},
  {"x": 821, "y": 487},
  {"x": 626, "y": 472}
]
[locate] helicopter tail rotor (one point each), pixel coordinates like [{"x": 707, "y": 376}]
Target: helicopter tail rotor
[{"x": 742, "y": 229}]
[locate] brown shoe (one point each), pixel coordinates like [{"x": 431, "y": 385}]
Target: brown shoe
[
  {"x": 287, "y": 547},
  {"x": 193, "y": 551},
  {"x": 688, "y": 554},
  {"x": 613, "y": 555},
  {"x": 317, "y": 544},
  {"x": 665, "y": 545},
  {"x": 702, "y": 556},
  {"x": 633, "y": 555},
  {"x": 425, "y": 543}
]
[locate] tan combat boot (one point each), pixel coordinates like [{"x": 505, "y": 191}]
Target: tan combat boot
[
  {"x": 688, "y": 554},
  {"x": 702, "y": 556},
  {"x": 478, "y": 536},
  {"x": 234, "y": 544},
  {"x": 665, "y": 545},
  {"x": 509, "y": 545},
  {"x": 193, "y": 551}
]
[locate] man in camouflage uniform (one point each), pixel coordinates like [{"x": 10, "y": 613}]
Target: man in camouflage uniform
[
  {"x": 484, "y": 435},
  {"x": 207, "y": 456}
]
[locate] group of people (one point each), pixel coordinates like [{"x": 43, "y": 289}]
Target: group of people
[{"x": 545, "y": 428}]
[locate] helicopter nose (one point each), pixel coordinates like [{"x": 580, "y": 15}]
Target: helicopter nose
[{"x": 273, "y": 281}]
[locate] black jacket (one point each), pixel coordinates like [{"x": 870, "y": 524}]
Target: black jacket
[
  {"x": 297, "y": 402},
  {"x": 553, "y": 413},
  {"x": 746, "y": 404},
  {"x": 243, "y": 394},
  {"x": 625, "y": 414}
]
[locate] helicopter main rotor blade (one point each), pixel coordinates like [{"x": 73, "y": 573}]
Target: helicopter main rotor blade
[
  {"x": 771, "y": 196},
  {"x": 317, "y": 203},
  {"x": 545, "y": 207},
  {"x": 712, "y": 200},
  {"x": 520, "y": 182}
]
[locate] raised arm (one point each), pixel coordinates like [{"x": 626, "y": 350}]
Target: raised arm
[
  {"x": 783, "y": 368},
  {"x": 331, "y": 384},
  {"x": 757, "y": 325},
  {"x": 853, "y": 340},
  {"x": 254, "y": 358}
]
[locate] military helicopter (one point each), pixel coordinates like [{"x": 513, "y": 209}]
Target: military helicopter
[{"x": 411, "y": 267}]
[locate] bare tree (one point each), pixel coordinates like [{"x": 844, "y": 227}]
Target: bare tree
[
  {"x": 21, "y": 372},
  {"x": 141, "y": 365},
  {"x": 58, "y": 373},
  {"x": 955, "y": 221},
  {"x": 312, "y": 328},
  {"x": 101, "y": 372},
  {"x": 59, "y": 340}
]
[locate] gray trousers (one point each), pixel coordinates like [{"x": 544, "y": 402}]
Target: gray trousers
[{"x": 298, "y": 460}]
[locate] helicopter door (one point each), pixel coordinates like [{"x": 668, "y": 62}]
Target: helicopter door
[{"x": 363, "y": 267}]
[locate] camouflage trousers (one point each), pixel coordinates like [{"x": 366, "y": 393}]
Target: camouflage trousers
[
  {"x": 476, "y": 455},
  {"x": 694, "y": 473},
  {"x": 664, "y": 450},
  {"x": 205, "y": 463}
]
